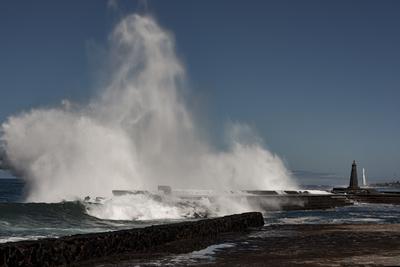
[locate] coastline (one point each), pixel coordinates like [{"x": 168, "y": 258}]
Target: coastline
[
  {"x": 287, "y": 245},
  {"x": 317, "y": 245},
  {"x": 77, "y": 249},
  {"x": 235, "y": 240}
]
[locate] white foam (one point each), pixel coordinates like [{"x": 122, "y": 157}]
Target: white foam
[
  {"x": 301, "y": 220},
  {"x": 318, "y": 192},
  {"x": 20, "y": 238},
  {"x": 357, "y": 220},
  {"x": 206, "y": 253},
  {"x": 134, "y": 207},
  {"x": 136, "y": 134},
  {"x": 143, "y": 207}
]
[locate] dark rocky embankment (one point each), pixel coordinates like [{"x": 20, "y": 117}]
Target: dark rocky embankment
[{"x": 80, "y": 248}]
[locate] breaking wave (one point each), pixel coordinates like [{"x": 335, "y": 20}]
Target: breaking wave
[{"x": 136, "y": 134}]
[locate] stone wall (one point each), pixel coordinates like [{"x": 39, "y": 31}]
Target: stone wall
[{"x": 79, "y": 248}]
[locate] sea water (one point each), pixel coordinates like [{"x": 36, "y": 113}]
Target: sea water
[{"x": 20, "y": 220}]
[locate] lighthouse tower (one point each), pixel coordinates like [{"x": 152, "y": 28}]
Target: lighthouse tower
[{"x": 353, "y": 176}]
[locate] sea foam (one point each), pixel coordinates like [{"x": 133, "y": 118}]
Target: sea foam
[{"x": 136, "y": 133}]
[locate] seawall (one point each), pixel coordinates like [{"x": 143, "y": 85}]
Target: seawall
[{"x": 85, "y": 247}]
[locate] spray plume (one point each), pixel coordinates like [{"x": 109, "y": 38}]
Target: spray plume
[{"x": 136, "y": 134}]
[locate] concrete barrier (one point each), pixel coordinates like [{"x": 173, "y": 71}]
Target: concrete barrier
[{"x": 79, "y": 248}]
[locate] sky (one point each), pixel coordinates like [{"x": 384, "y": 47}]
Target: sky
[{"x": 318, "y": 80}]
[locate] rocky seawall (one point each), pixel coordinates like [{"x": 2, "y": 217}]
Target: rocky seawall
[{"x": 70, "y": 250}]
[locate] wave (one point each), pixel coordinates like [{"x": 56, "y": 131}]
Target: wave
[
  {"x": 144, "y": 207},
  {"x": 138, "y": 132},
  {"x": 24, "y": 221},
  {"x": 33, "y": 220},
  {"x": 74, "y": 210},
  {"x": 122, "y": 208},
  {"x": 18, "y": 238}
]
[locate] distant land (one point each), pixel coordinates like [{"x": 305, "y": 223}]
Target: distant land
[
  {"x": 306, "y": 179},
  {"x": 395, "y": 184}
]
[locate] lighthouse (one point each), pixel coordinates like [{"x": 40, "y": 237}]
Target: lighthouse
[{"x": 353, "y": 176}]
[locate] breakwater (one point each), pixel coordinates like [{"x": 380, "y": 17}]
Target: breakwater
[
  {"x": 381, "y": 198},
  {"x": 80, "y": 248},
  {"x": 298, "y": 201}
]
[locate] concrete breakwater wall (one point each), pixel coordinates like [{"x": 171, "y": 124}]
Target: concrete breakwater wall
[
  {"x": 79, "y": 248},
  {"x": 298, "y": 202},
  {"x": 383, "y": 198}
]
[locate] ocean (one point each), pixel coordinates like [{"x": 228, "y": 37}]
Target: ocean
[
  {"x": 28, "y": 221},
  {"x": 25, "y": 221}
]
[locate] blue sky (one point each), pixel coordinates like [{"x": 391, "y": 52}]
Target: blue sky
[{"x": 318, "y": 80}]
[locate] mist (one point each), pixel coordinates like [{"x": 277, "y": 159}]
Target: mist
[{"x": 136, "y": 133}]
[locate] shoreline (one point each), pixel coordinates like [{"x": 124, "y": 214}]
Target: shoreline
[
  {"x": 281, "y": 245},
  {"x": 317, "y": 245},
  {"x": 81, "y": 248},
  {"x": 287, "y": 245},
  {"x": 234, "y": 240}
]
